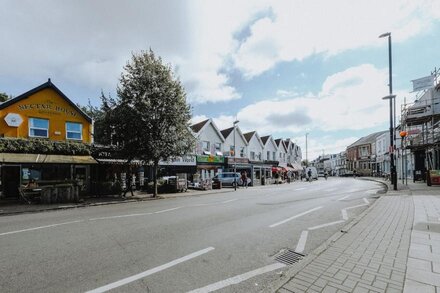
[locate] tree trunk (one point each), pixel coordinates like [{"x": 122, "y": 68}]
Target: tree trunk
[{"x": 155, "y": 166}]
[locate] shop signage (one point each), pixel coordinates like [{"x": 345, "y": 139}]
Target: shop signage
[
  {"x": 47, "y": 107},
  {"x": 210, "y": 159},
  {"x": 180, "y": 161},
  {"x": 238, "y": 160},
  {"x": 13, "y": 120}
]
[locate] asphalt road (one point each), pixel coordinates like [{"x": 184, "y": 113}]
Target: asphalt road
[{"x": 225, "y": 241}]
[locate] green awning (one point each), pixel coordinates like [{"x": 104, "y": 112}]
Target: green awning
[{"x": 45, "y": 159}]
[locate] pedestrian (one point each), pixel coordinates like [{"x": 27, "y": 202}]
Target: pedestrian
[
  {"x": 244, "y": 179},
  {"x": 309, "y": 174}
]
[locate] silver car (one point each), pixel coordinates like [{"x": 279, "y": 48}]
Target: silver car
[{"x": 227, "y": 178}]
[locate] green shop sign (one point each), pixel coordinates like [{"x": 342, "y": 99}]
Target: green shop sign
[{"x": 210, "y": 159}]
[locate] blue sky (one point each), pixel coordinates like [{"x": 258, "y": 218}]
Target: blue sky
[{"x": 282, "y": 67}]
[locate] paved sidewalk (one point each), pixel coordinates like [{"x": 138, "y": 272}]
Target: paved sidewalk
[
  {"x": 18, "y": 207},
  {"x": 394, "y": 246}
]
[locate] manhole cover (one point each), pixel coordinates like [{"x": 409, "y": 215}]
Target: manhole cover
[{"x": 289, "y": 257}]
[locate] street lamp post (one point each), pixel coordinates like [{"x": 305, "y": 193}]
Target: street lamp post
[
  {"x": 235, "y": 157},
  {"x": 391, "y": 97},
  {"x": 391, "y": 151},
  {"x": 307, "y": 159}
]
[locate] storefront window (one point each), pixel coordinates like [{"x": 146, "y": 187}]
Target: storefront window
[
  {"x": 38, "y": 127},
  {"x": 73, "y": 130}
]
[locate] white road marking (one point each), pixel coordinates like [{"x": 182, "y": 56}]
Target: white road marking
[
  {"x": 325, "y": 225},
  {"x": 344, "y": 211},
  {"x": 167, "y": 210},
  {"x": 344, "y": 214},
  {"x": 120, "y": 216},
  {"x": 302, "y": 188},
  {"x": 40, "y": 227},
  {"x": 201, "y": 204},
  {"x": 231, "y": 200},
  {"x": 149, "y": 272},
  {"x": 294, "y": 217},
  {"x": 347, "y": 196},
  {"x": 238, "y": 279},
  {"x": 366, "y": 201},
  {"x": 302, "y": 242}
]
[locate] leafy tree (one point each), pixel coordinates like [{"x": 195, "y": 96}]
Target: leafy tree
[
  {"x": 3, "y": 97},
  {"x": 101, "y": 129},
  {"x": 150, "y": 118}
]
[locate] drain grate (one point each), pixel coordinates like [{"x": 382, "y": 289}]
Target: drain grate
[{"x": 289, "y": 257}]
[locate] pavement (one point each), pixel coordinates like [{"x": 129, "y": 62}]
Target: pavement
[
  {"x": 394, "y": 246},
  {"x": 15, "y": 206}
]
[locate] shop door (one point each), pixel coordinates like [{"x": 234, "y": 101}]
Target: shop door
[
  {"x": 10, "y": 181},
  {"x": 80, "y": 175}
]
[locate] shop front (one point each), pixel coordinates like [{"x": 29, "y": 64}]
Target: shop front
[
  {"x": 207, "y": 167},
  {"x": 261, "y": 173},
  {"x": 240, "y": 165},
  {"x": 17, "y": 170},
  {"x": 179, "y": 165}
]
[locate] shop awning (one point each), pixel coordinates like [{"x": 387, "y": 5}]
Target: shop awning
[
  {"x": 119, "y": 162},
  {"x": 297, "y": 167},
  {"x": 45, "y": 159}
]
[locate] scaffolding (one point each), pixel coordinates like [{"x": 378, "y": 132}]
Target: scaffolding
[{"x": 421, "y": 121}]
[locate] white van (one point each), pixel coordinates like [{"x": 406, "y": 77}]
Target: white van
[{"x": 314, "y": 172}]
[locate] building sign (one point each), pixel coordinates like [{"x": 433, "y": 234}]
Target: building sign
[
  {"x": 210, "y": 159},
  {"x": 48, "y": 107},
  {"x": 423, "y": 83},
  {"x": 13, "y": 120},
  {"x": 232, "y": 160},
  {"x": 179, "y": 161}
]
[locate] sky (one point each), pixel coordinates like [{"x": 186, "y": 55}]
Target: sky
[{"x": 282, "y": 68}]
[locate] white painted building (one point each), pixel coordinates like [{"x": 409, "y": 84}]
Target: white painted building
[
  {"x": 240, "y": 143},
  {"x": 255, "y": 146},
  {"x": 269, "y": 149}
]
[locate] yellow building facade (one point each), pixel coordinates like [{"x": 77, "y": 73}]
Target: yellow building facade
[{"x": 45, "y": 112}]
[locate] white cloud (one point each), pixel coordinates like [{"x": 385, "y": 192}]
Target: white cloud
[{"x": 299, "y": 29}]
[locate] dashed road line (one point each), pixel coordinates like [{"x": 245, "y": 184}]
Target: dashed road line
[
  {"x": 120, "y": 216},
  {"x": 40, "y": 227},
  {"x": 167, "y": 210},
  {"x": 347, "y": 196},
  {"x": 150, "y": 271},
  {"x": 366, "y": 200},
  {"x": 231, "y": 200},
  {"x": 344, "y": 211},
  {"x": 302, "y": 241},
  {"x": 294, "y": 217},
  {"x": 325, "y": 225},
  {"x": 238, "y": 279},
  {"x": 302, "y": 188}
]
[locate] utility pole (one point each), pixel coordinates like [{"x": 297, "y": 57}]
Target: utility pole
[{"x": 307, "y": 158}]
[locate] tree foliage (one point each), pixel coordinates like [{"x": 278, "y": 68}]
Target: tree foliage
[
  {"x": 3, "y": 97},
  {"x": 150, "y": 118}
]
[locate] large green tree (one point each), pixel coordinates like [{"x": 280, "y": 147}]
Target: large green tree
[{"x": 150, "y": 117}]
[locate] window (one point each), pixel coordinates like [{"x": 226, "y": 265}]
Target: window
[
  {"x": 74, "y": 130},
  {"x": 268, "y": 155},
  {"x": 242, "y": 152},
  {"x": 231, "y": 151},
  {"x": 38, "y": 127},
  {"x": 274, "y": 156},
  {"x": 252, "y": 156},
  {"x": 205, "y": 146},
  {"x": 218, "y": 147}
]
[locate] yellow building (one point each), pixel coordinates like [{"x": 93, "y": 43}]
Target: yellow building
[{"x": 43, "y": 113}]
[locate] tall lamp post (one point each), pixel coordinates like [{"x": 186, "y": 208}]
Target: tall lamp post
[
  {"x": 391, "y": 97},
  {"x": 235, "y": 157},
  {"x": 307, "y": 159}
]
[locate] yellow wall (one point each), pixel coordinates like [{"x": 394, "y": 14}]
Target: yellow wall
[{"x": 46, "y": 104}]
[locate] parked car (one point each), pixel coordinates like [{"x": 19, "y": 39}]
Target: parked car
[{"x": 227, "y": 178}]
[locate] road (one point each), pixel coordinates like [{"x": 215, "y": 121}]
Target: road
[{"x": 225, "y": 241}]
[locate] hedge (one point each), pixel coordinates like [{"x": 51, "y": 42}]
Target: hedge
[{"x": 43, "y": 146}]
